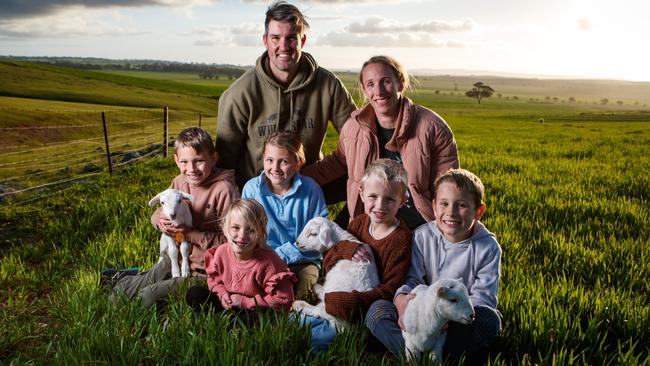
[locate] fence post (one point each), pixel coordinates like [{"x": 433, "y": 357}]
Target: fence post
[
  {"x": 165, "y": 131},
  {"x": 199, "y": 120},
  {"x": 108, "y": 151}
]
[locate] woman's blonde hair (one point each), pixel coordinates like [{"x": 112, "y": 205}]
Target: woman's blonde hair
[
  {"x": 398, "y": 70},
  {"x": 253, "y": 213}
]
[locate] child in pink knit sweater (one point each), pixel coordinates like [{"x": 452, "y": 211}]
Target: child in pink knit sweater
[{"x": 244, "y": 273}]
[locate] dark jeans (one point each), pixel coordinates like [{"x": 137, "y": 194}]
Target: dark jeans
[{"x": 470, "y": 341}]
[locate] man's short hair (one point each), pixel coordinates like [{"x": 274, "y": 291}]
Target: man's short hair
[{"x": 282, "y": 11}]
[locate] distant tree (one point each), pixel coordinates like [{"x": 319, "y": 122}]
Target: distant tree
[
  {"x": 437, "y": 91},
  {"x": 604, "y": 101},
  {"x": 619, "y": 102},
  {"x": 480, "y": 91},
  {"x": 572, "y": 100},
  {"x": 499, "y": 95}
]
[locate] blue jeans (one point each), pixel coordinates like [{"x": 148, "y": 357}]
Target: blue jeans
[
  {"x": 471, "y": 340},
  {"x": 322, "y": 332}
]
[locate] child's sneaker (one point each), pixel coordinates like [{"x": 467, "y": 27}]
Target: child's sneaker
[{"x": 109, "y": 276}]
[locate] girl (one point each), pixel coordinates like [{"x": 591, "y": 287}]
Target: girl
[
  {"x": 245, "y": 273},
  {"x": 290, "y": 201}
]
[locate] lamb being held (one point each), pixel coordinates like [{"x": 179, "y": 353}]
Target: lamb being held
[
  {"x": 321, "y": 234},
  {"x": 426, "y": 314},
  {"x": 171, "y": 201}
]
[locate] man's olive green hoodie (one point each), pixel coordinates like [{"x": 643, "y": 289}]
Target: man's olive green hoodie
[{"x": 255, "y": 106}]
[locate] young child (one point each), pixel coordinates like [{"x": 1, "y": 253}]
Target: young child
[
  {"x": 455, "y": 245},
  {"x": 245, "y": 273},
  {"x": 213, "y": 190},
  {"x": 383, "y": 191},
  {"x": 290, "y": 201}
]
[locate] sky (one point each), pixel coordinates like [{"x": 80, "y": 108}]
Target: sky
[{"x": 542, "y": 38}]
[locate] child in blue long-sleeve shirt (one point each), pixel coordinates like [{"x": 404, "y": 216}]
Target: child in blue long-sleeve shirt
[{"x": 290, "y": 201}]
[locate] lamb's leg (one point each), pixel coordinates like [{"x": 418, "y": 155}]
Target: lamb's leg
[
  {"x": 306, "y": 308},
  {"x": 319, "y": 291},
  {"x": 409, "y": 348},
  {"x": 162, "y": 248},
  {"x": 185, "y": 255},
  {"x": 436, "y": 351},
  {"x": 172, "y": 252}
]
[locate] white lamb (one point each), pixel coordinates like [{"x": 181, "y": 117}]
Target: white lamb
[
  {"x": 320, "y": 235},
  {"x": 179, "y": 213},
  {"x": 426, "y": 315}
]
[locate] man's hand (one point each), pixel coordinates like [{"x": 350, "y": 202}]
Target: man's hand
[{"x": 400, "y": 302}]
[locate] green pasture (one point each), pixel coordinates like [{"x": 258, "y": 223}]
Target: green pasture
[
  {"x": 567, "y": 194},
  {"x": 39, "y": 81}
]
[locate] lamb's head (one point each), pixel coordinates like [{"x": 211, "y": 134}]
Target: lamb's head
[
  {"x": 170, "y": 200},
  {"x": 317, "y": 235},
  {"x": 452, "y": 300}
]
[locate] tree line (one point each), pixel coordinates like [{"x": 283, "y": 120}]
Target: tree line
[{"x": 205, "y": 71}]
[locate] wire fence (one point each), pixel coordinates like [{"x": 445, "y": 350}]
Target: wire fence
[{"x": 43, "y": 152}]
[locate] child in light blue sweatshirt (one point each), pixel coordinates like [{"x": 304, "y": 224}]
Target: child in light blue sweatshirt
[{"x": 290, "y": 201}]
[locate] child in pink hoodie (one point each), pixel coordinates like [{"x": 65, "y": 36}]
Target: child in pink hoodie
[{"x": 245, "y": 273}]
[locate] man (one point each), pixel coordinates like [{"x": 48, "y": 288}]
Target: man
[{"x": 285, "y": 91}]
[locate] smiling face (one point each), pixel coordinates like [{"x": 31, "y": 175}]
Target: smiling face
[
  {"x": 279, "y": 168},
  {"x": 241, "y": 236},
  {"x": 381, "y": 88},
  {"x": 284, "y": 43},
  {"x": 455, "y": 212},
  {"x": 381, "y": 201},
  {"x": 195, "y": 167}
]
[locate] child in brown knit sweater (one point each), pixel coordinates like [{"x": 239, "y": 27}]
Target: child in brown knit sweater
[{"x": 383, "y": 191}]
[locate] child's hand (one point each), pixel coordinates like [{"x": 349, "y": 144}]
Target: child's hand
[
  {"x": 400, "y": 302},
  {"x": 164, "y": 225},
  {"x": 225, "y": 301},
  {"x": 235, "y": 300},
  {"x": 363, "y": 254}
]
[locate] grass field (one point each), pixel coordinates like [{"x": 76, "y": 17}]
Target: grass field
[{"x": 567, "y": 199}]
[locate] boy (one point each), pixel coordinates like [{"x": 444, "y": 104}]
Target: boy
[
  {"x": 383, "y": 191},
  {"x": 213, "y": 190},
  {"x": 455, "y": 245}
]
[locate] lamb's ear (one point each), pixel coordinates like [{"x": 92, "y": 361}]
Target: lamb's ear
[
  {"x": 443, "y": 292},
  {"x": 187, "y": 196},
  {"x": 324, "y": 234},
  {"x": 154, "y": 200}
]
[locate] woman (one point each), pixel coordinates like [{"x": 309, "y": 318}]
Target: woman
[{"x": 390, "y": 126}]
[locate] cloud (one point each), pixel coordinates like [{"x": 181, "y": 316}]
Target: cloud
[
  {"x": 395, "y": 40},
  {"x": 377, "y": 24},
  {"x": 243, "y": 35},
  {"x": 377, "y": 31},
  {"x": 13, "y": 9},
  {"x": 83, "y": 23},
  {"x": 584, "y": 24}
]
